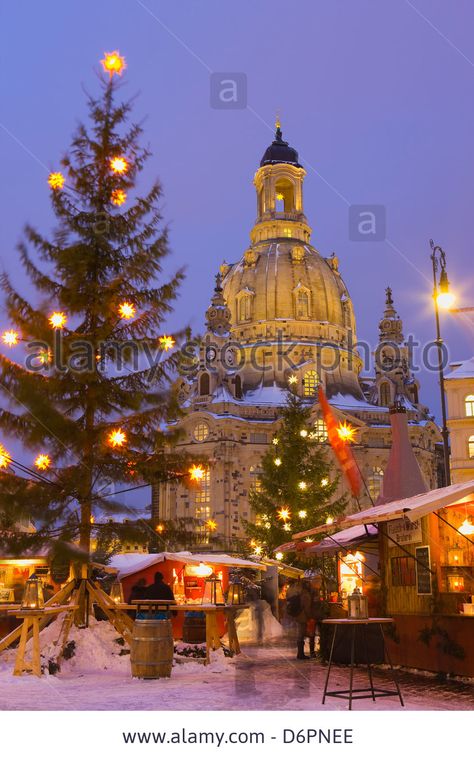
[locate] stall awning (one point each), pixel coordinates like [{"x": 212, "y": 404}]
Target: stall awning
[
  {"x": 347, "y": 538},
  {"x": 127, "y": 564},
  {"x": 415, "y": 506}
]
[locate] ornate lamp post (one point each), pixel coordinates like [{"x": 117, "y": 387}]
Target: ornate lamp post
[{"x": 444, "y": 299}]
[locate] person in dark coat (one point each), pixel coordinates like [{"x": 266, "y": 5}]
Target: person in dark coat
[
  {"x": 138, "y": 590},
  {"x": 299, "y": 592},
  {"x": 159, "y": 590}
]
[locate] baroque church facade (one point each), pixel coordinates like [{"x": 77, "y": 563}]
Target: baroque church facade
[{"x": 281, "y": 319}]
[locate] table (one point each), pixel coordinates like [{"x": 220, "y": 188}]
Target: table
[
  {"x": 34, "y": 619},
  {"x": 371, "y": 691},
  {"x": 213, "y": 641}
]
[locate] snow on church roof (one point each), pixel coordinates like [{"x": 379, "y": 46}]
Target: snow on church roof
[{"x": 461, "y": 370}]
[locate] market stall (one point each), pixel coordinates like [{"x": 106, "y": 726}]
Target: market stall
[{"x": 14, "y": 572}]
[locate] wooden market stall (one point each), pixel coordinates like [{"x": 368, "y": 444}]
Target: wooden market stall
[{"x": 14, "y": 572}]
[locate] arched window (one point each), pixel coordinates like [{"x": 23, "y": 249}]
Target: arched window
[
  {"x": 201, "y": 431},
  {"x": 302, "y": 304},
  {"x": 320, "y": 432},
  {"x": 255, "y": 483},
  {"x": 284, "y": 196},
  {"x": 470, "y": 446},
  {"x": 245, "y": 308},
  {"x": 310, "y": 383},
  {"x": 374, "y": 482},
  {"x": 204, "y": 384},
  {"x": 238, "y": 386},
  {"x": 469, "y": 405},
  {"x": 385, "y": 394}
]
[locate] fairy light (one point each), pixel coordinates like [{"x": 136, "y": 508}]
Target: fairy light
[
  {"x": 43, "y": 461},
  {"x": 57, "y": 320},
  {"x": 258, "y": 550},
  {"x": 284, "y": 513},
  {"x": 56, "y": 180},
  {"x": 196, "y": 472},
  {"x": 167, "y": 342},
  {"x": 127, "y": 310},
  {"x": 302, "y": 485},
  {"x": 275, "y": 441},
  {"x": 118, "y": 197},
  {"x": 119, "y": 164},
  {"x": 329, "y": 520},
  {"x": 113, "y": 63},
  {"x": 45, "y": 357},
  {"x": 279, "y": 556},
  {"x": 277, "y": 462},
  {"x": 211, "y": 525},
  {"x": 10, "y": 337},
  {"x": 302, "y": 513},
  {"x": 160, "y": 528},
  {"x": 304, "y": 433},
  {"x": 325, "y": 482},
  {"x": 346, "y": 432},
  {"x": 308, "y": 540},
  {"x": 117, "y": 438},
  {"x": 292, "y": 380},
  {"x": 287, "y": 527},
  {"x": 5, "y": 457}
]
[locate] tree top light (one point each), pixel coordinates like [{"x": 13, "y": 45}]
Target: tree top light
[{"x": 113, "y": 63}]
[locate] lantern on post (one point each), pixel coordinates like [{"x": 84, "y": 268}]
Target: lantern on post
[
  {"x": 235, "y": 593},
  {"x": 33, "y": 598},
  {"x": 358, "y": 605},
  {"x": 213, "y": 593},
  {"x": 116, "y": 592}
]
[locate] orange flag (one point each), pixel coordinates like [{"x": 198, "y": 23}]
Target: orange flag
[{"x": 340, "y": 447}]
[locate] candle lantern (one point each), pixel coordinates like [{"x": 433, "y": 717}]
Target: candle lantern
[
  {"x": 33, "y": 598},
  {"x": 358, "y": 605},
  {"x": 213, "y": 593},
  {"x": 235, "y": 594},
  {"x": 455, "y": 556},
  {"x": 455, "y": 583},
  {"x": 116, "y": 592}
]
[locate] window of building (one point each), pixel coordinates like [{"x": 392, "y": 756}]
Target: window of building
[
  {"x": 320, "y": 432},
  {"x": 403, "y": 571},
  {"x": 310, "y": 383},
  {"x": 255, "y": 482},
  {"x": 258, "y": 437},
  {"x": 287, "y": 232},
  {"x": 245, "y": 308},
  {"x": 202, "y": 506},
  {"x": 302, "y": 304},
  {"x": 469, "y": 405},
  {"x": 204, "y": 384},
  {"x": 470, "y": 446},
  {"x": 385, "y": 394},
  {"x": 238, "y": 386},
  {"x": 201, "y": 431},
  {"x": 374, "y": 482}
]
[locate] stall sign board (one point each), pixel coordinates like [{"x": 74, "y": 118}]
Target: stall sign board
[
  {"x": 423, "y": 575},
  {"x": 403, "y": 531}
]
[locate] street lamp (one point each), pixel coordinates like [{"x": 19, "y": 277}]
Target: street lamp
[{"x": 443, "y": 299}]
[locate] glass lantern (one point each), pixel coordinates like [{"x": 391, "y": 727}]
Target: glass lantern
[
  {"x": 455, "y": 556},
  {"x": 33, "y": 598},
  {"x": 235, "y": 593},
  {"x": 455, "y": 583},
  {"x": 116, "y": 592},
  {"x": 213, "y": 593},
  {"x": 358, "y": 605}
]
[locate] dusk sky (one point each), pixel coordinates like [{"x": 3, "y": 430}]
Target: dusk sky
[{"x": 376, "y": 96}]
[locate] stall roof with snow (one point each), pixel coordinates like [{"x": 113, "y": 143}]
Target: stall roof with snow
[{"x": 128, "y": 564}]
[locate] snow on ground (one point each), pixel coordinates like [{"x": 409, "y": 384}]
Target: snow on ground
[{"x": 266, "y": 677}]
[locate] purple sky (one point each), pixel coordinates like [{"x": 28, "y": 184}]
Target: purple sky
[{"x": 377, "y": 97}]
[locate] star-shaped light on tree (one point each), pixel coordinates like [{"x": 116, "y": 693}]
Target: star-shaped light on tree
[
  {"x": 5, "y": 457},
  {"x": 167, "y": 342},
  {"x": 284, "y": 513},
  {"x": 118, "y": 197},
  {"x": 160, "y": 528},
  {"x": 119, "y": 164},
  {"x": 302, "y": 513},
  {"x": 346, "y": 432},
  {"x": 117, "y": 438},
  {"x": 292, "y": 380},
  {"x": 56, "y": 180},
  {"x": 277, "y": 462},
  {"x": 10, "y": 337},
  {"x": 113, "y": 63},
  {"x": 42, "y": 462},
  {"x": 57, "y": 320},
  {"x": 211, "y": 525},
  {"x": 196, "y": 472},
  {"x": 279, "y": 556},
  {"x": 127, "y": 310}
]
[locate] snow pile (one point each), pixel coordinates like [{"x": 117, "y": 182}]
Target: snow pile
[{"x": 258, "y": 624}]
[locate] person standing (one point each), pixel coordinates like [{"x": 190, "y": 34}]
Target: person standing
[{"x": 298, "y": 607}]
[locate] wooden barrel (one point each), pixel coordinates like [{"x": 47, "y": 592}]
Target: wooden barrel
[
  {"x": 151, "y": 653},
  {"x": 194, "y": 627}
]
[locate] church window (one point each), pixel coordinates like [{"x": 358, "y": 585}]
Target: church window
[
  {"x": 287, "y": 232},
  {"x": 245, "y": 308},
  {"x": 384, "y": 394},
  {"x": 284, "y": 196},
  {"x": 255, "y": 481},
  {"x": 310, "y": 383},
  {"x": 202, "y": 506},
  {"x": 470, "y": 446},
  {"x": 204, "y": 384},
  {"x": 469, "y": 405},
  {"x": 201, "y": 431},
  {"x": 374, "y": 482},
  {"x": 320, "y": 432},
  {"x": 302, "y": 304},
  {"x": 238, "y": 386}
]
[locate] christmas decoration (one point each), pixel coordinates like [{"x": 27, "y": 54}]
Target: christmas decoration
[
  {"x": 118, "y": 164},
  {"x": 291, "y": 495},
  {"x": 43, "y": 462},
  {"x": 57, "y": 320},
  {"x": 196, "y": 472},
  {"x": 339, "y": 443},
  {"x": 118, "y": 197},
  {"x": 127, "y": 310},
  {"x": 166, "y": 342},
  {"x": 10, "y": 338},
  {"x": 114, "y": 63},
  {"x": 117, "y": 438},
  {"x": 56, "y": 180}
]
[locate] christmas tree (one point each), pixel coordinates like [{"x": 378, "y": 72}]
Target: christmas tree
[
  {"x": 90, "y": 396},
  {"x": 296, "y": 485}
]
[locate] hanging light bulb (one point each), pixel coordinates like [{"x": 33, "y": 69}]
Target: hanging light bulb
[
  {"x": 56, "y": 180},
  {"x": 118, "y": 197},
  {"x": 467, "y": 528},
  {"x": 117, "y": 438},
  {"x": 57, "y": 320},
  {"x": 113, "y": 63},
  {"x": 10, "y": 338},
  {"x": 167, "y": 342},
  {"x": 118, "y": 164},
  {"x": 43, "y": 462},
  {"x": 127, "y": 310}
]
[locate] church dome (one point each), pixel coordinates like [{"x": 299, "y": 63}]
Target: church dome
[{"x": 280, "y": 152}]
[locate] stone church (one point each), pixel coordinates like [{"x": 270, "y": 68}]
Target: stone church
[{"x": 281, "y": 318}]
